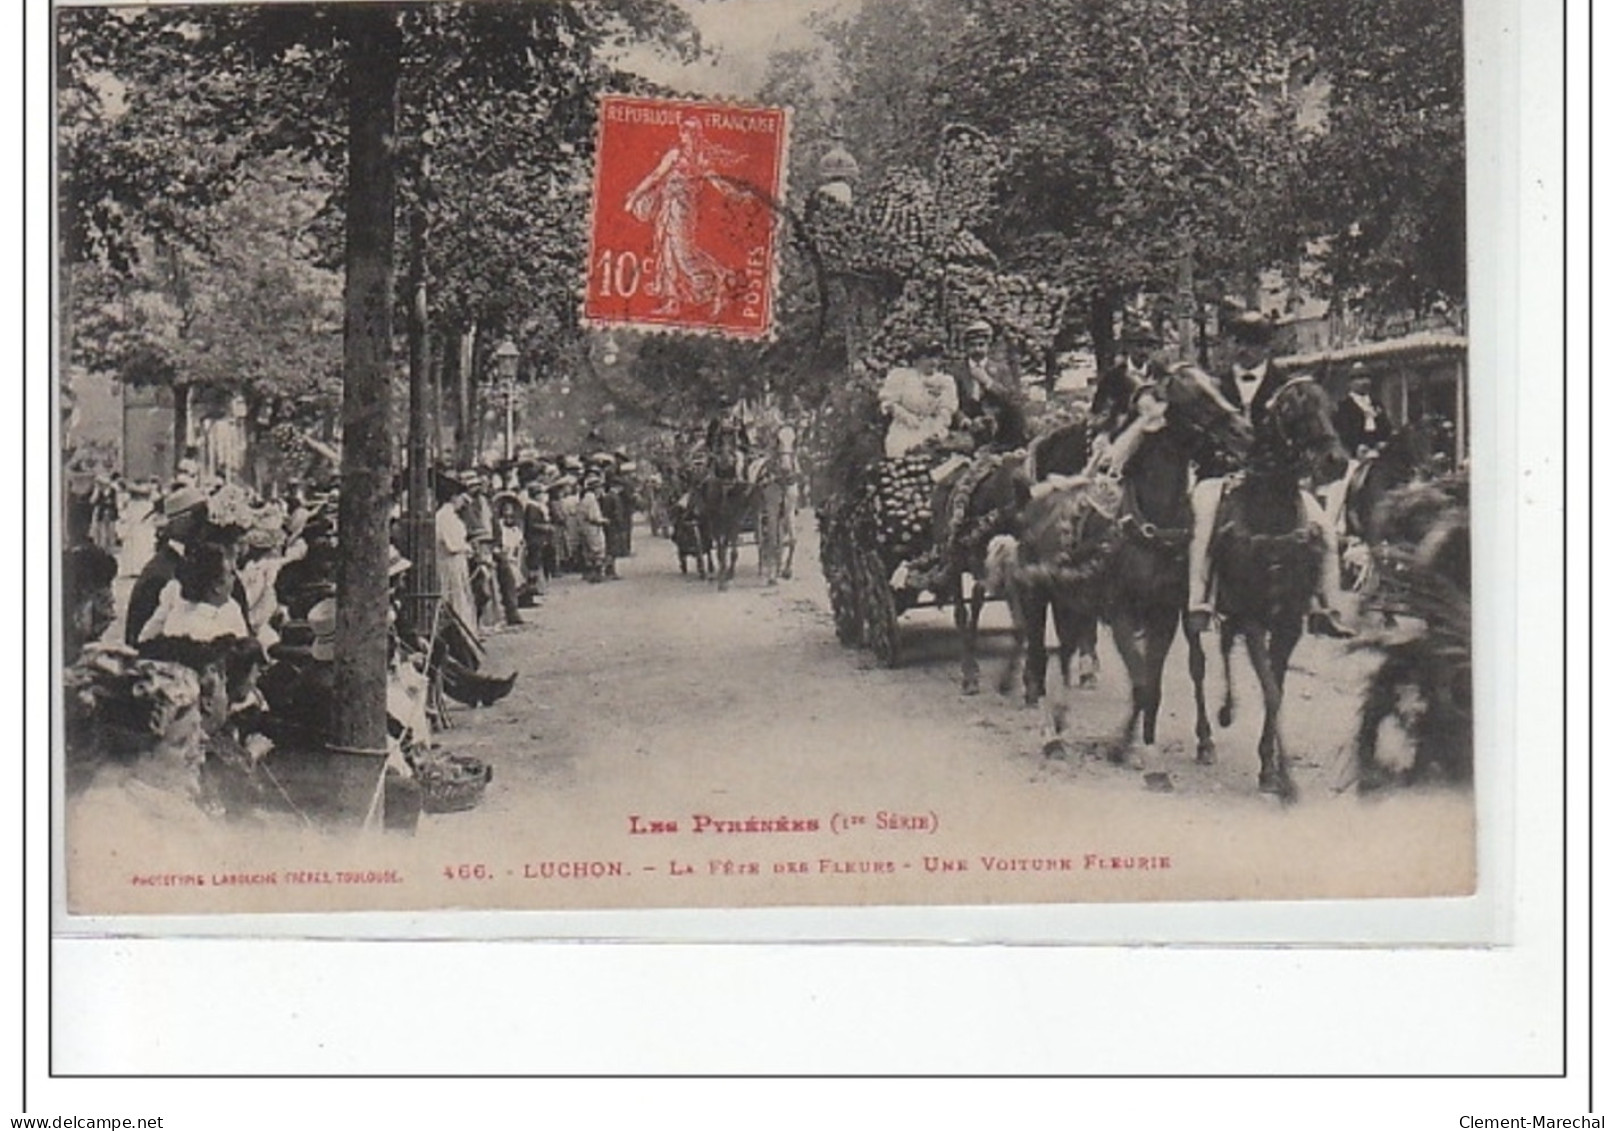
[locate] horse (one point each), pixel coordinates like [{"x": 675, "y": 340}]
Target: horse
[
  {"x": 1267, "y": 556},
  {"x": 778, "y": 483},
  {"x": 1405, "y": 458},
  {"x": 978, "y": 517},
  {"x": 1113, "y": 544},
  {"x": 1063, "y": 451},
  {"x": 692, "y": 538},
  {"x": 725, "y": 497}
]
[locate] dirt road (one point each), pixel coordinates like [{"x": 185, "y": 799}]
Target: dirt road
[{"x": 660, "y": 699}]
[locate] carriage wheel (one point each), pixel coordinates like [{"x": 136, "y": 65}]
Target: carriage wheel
[
  {"x": 846, "y": 606},
  {"x": 880, "y": 611}
]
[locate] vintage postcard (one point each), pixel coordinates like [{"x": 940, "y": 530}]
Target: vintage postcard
[{"x": 703, "y": 454}]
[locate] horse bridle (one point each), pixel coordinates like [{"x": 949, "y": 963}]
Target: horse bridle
[
  {"x": 1296, "y": 382},
  {"x": 1200, "y": 430}
]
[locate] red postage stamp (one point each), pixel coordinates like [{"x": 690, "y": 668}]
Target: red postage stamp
[{"x": 682, "y": 227}]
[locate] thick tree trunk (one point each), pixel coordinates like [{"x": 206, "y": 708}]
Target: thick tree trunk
[
  {"x": 1187, "y": 305},
  {"x": 182, "y": 423},
  {"x": 467, "y": 403},
  {"x": 360, "y": 714},
  {"x": 420, "y": 528},
  {"x": 434, "y": 383},
  {"x": 1102, "y": 327}
]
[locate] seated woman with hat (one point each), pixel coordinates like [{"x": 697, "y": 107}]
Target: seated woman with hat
[
  {"x": 920, "y": 400},
  {"x": 184, "y": 512}
]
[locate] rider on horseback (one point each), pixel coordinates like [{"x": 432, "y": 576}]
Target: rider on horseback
[
  {"x": 1118, "y": 388},
  {"x": 1250, "y": 384},
  {"x": 728, "y": 443},
  {"x": 1364, "y": 427}
]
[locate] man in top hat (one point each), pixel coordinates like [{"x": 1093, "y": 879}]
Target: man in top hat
[
  {"x": 1364, "y": 427},
  {"x": 1250, "y": 381},
  {"x": 989, "y": 405},
  {"x": 1360, "y": 419},
  {"x": 184, "y": 512},
  {"x": 1249, "y": 378}
]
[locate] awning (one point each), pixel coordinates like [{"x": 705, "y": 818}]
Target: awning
[{"x": 1414, "y": 347}]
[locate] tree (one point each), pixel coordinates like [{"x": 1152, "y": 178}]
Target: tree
[
  {"x": 1135, "y": 133},
  {"x": 360, "y": 686},
  {"x": 325, "y": 83},
  {"x": 1382, "y": 187}
]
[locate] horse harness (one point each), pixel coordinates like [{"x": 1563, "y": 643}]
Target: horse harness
[
  {"x": 1166, "y": 539},
  {"x": 1229, "y": 525},
  {"x": 1286, "y": 444}
]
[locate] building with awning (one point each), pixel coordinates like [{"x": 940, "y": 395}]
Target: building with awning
[{"x": 1421, "y": 377}]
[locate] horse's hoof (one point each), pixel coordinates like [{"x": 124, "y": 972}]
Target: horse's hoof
[
  {"x": 785, "y": 573},
  {"x": 1277, "y": 785},
  {"x": 1206, "y": 753},
  {"x": 1158, "y": 781},
  {"x": 1225, "y": 717},
  {"x": 1056, "y": 748},
  {"x": 772, "y": 581},
  {"x": 1372, "y": 781},
  {"x": 970, "y": 686}
]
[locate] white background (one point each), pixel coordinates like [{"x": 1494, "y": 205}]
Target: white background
[{"x": 186, "y": 1006}]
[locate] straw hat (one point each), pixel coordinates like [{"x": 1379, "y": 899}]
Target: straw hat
[
  {"x": 322, "y": 622},
  {"x": 183, "y": 499}
]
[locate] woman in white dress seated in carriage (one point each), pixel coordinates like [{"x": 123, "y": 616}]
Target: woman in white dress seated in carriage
[{"x": 921, "y": 403}]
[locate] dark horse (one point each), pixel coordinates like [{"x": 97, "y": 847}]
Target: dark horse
[
  {"x": 725, "y": 496},
  {"x": 982, "y": 511},
  {"x": 1266, "y": 555},
  {"x": 1404, "y": 458},
  {"x": 1113, "y": 544}
]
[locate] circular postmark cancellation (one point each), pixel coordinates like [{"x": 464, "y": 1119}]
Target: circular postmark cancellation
[{"x": 682, "y": 219}]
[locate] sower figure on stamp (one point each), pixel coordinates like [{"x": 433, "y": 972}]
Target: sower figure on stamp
[
  {"x": 669, "y": 198},
  {"x": 1250, "y": 383}
]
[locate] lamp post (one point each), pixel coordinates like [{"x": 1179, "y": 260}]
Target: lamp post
[
  {"x": 506, "y": 359},
  {"x": 849, "y": 297}
]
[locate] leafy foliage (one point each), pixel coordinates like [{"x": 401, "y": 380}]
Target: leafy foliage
[
  {"x": 1383, "y": 185},
  {"x": 1139, "y": 135},
  {"x": 203, "y": 158}
]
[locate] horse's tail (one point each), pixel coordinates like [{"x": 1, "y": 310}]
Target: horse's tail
[{"x": 1002, "y": 552}]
